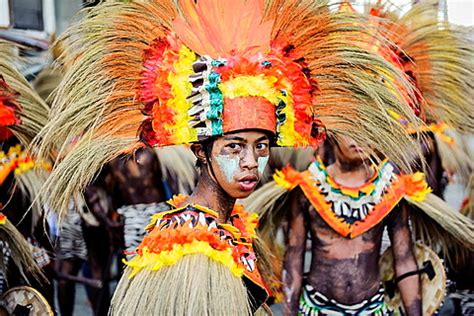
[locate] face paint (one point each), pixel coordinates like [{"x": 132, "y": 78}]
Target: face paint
[
  {"x": 262, "y": 163},
  {"x": 228, "y": 165}
]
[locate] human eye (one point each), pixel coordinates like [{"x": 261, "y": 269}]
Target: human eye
[
  {"x": 262, "y": 146},
  {"x": 234, "y": 146}
]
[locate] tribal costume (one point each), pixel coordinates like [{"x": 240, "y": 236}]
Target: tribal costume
[
  {"x": 350, "y": 212},
  {"x": 182, "y": 229},
  {"x": 135, "y": 218},
  {"x": 176, "y": 72},
  {"x": 353, "y": 211},
  {"x": 22, "y": 113},
  {"x": 71, "y": 243}
]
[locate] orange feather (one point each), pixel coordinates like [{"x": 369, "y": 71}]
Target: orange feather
[{"x": 221, "y": 28}]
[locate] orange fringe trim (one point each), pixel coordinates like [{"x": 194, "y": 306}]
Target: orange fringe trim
[{"x": 412, "y": 186}]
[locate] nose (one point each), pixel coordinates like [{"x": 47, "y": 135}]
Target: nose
[{"x": 248, "y": 160}]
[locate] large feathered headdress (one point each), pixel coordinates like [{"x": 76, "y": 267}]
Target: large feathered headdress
[{"x": 172, "y": 72}]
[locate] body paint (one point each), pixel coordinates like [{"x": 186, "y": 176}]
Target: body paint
[
  {"x": 262, "y": 163},
  {"x": 228, "y": 165}
]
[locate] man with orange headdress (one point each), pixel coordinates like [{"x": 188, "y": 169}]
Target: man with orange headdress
[{"x": 232, "y": 78}]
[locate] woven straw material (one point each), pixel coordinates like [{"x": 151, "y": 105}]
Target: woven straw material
[{"x": 433, "y": 291}]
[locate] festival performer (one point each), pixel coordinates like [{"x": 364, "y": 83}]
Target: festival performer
[
  {"x": 352, "y": 204},
  {"x": 232, "y": 78},
  {"x": 346, "y": 205},
  {"x": 22, "y": 114}
]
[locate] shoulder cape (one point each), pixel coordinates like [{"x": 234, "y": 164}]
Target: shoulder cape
[
  {"x": 187, "y": 229},
  {"x": 435, "y": 222},
  {"x": 353, "y": 211}
]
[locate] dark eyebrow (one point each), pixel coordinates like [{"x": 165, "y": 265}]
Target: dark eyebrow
[
  {"x": 240, "y": 139},
  {"x": 264, "y": 137},
  {"x": 235, "y": 138}
]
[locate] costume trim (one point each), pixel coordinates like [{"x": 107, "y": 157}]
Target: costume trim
[
  {"x": 18, "y": 160},
  {"x": 192, "y": 229},
  {"x": 353, "y": 211},
  {"x": 3, "y": 219},
  {"x": 315, "y": 303}
]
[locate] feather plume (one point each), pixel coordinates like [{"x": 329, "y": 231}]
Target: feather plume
[
  {"x": 95, "y": 114},
  {"x": 33, "y": 112},
  {"x": 352, "y": 100},
  {"x": 221, "y": 28},
  {"x": 33, "y": 115}
]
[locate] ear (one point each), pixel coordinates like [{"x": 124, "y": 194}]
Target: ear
[{"x": 200, "y": 152}]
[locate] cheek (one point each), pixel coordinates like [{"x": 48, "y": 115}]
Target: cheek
[
  {"x": 229, "y": 166},
  {"x": 262, "y": 163}
]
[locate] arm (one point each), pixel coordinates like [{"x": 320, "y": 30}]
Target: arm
[
  {"x": 404, "y": 259},
  {"x": 294, "y": 256}
]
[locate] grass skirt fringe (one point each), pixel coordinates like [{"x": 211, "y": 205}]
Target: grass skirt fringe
[{"x": 196, "y": 285}]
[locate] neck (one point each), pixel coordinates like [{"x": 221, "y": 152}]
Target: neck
[
  {"x": 351, "y": 166},
  {"x": 209, "y": 194},
  {"x": 350, "y": 173}
]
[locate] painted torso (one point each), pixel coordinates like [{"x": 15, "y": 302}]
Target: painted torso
[{"x": 346, "y": 225}]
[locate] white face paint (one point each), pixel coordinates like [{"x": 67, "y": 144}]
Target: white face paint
[
  {"x": 262, "y": 163},
  {"x": 228, "y": 165}
]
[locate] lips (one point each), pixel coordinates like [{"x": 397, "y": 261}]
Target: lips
[{"x": 248, "y": 183}]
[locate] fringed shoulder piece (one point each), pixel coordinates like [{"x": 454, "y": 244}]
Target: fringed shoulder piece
[{"x": 351, "y": 211}]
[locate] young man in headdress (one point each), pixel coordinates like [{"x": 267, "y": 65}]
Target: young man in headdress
[{"x": 232, "y": 79}]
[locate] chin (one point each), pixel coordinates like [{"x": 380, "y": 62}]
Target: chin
[
  {"x": 240, "y": 194},
  {"x": 356, "y": 158}
]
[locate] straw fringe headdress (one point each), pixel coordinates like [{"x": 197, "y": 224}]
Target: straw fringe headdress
[
  {"x": 170, "y": 72},
  {"x": 439, "y": 57}
]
